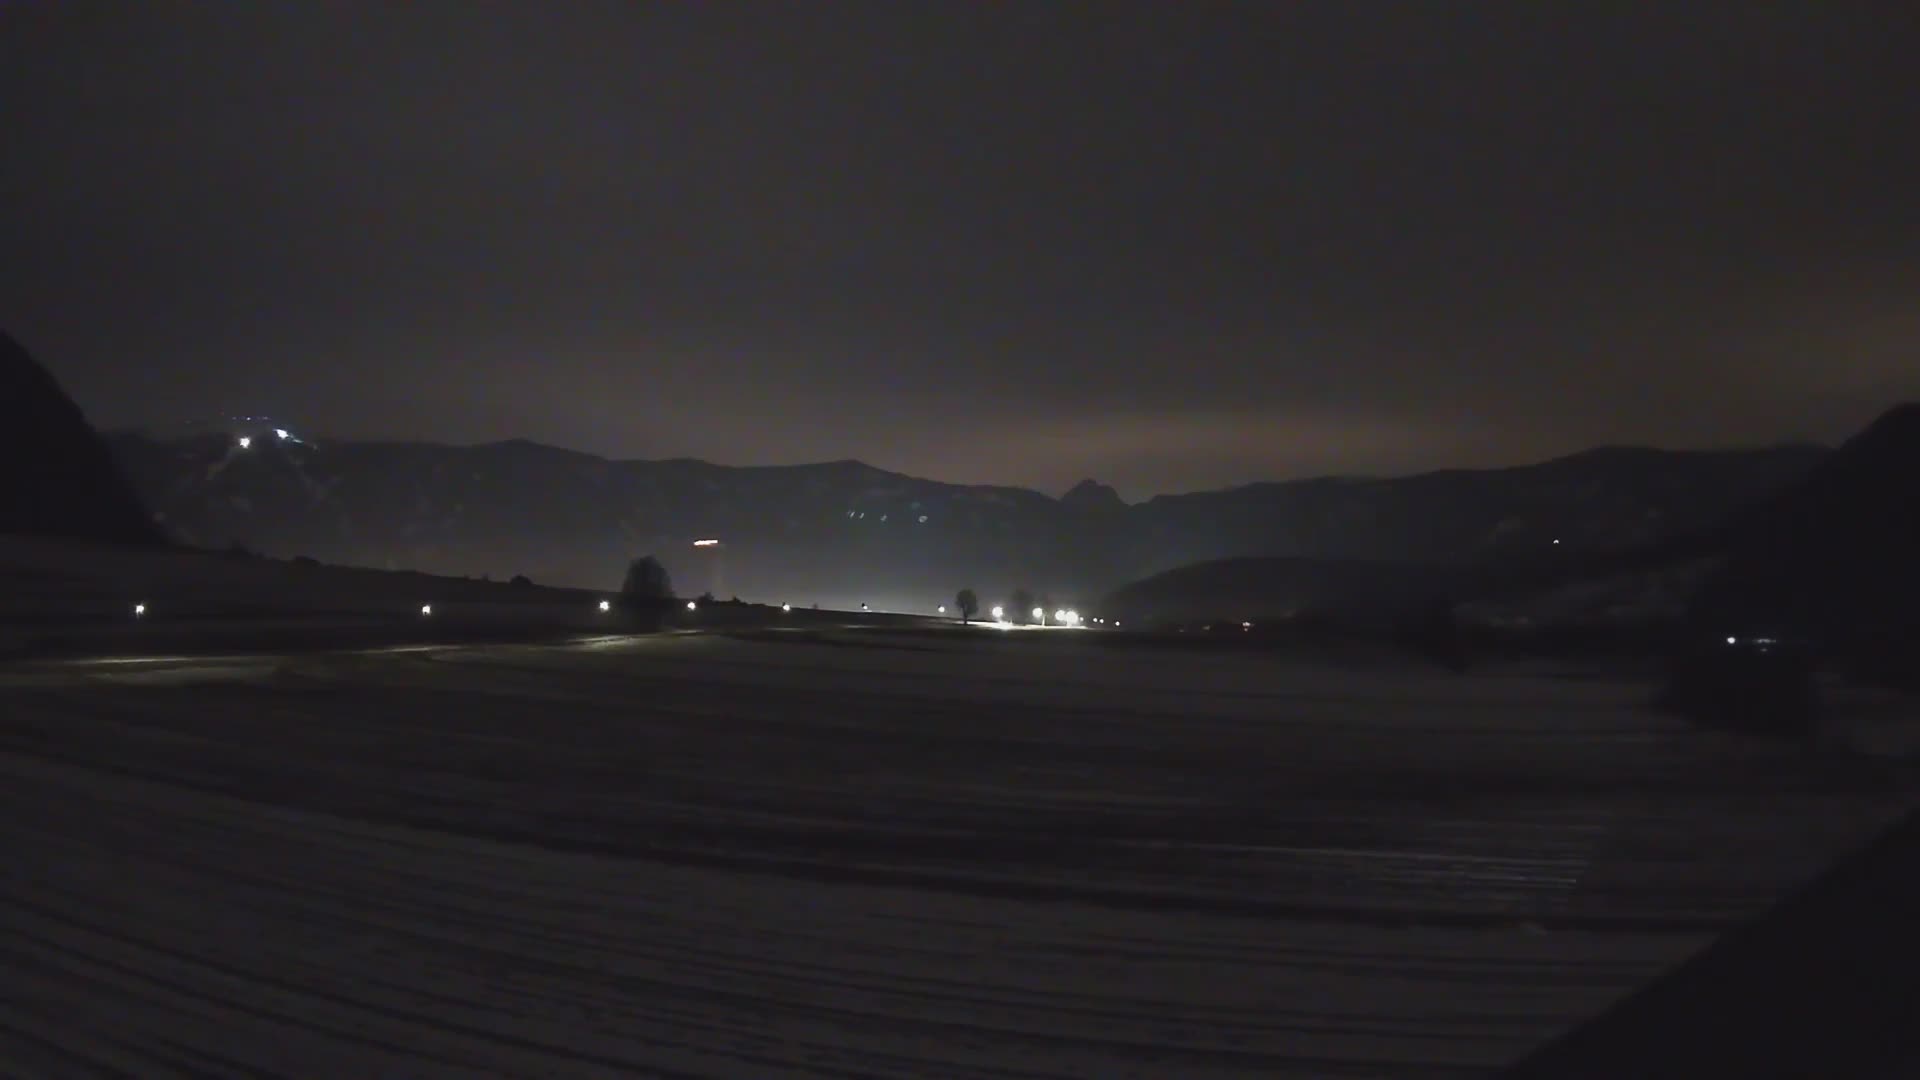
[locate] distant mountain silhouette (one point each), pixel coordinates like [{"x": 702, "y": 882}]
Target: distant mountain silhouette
[
  {"x": 1832, "y": 554},
  {"x": 57, "y": 478},
  {"x": 847, "y": 532},
  {"x": 1092, "y": 496}
]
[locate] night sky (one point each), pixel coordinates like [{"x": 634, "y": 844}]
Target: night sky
[{"x": 1170, "y": 245}]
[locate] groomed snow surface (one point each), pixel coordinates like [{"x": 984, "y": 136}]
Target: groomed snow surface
[{"x": 838, "y": 854}]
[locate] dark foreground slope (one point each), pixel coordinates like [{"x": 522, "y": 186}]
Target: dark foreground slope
[
  {"x": 1827, "y": 985},
  {"x": 57, "y": 478}
]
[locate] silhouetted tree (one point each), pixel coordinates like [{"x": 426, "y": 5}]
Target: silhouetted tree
[
  {"x": 647, "y": 584},
  {"x": 521, "y": 581},
  {"x": 968, "y": 603},
  {"x": 1022, "y": 604}
]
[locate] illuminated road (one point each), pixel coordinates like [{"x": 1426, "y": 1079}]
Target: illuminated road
[{"x": 855, "y": 856}]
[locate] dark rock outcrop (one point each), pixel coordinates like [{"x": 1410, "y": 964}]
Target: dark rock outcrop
[
  {"x": 1836, "y": 556},
  {"x": 57, "y": 477}
]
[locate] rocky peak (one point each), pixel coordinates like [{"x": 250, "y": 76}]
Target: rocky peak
[{"x": 1092, "y": 495}]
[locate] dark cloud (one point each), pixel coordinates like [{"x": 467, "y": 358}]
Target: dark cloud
[{"x": 1171, "y": 245}]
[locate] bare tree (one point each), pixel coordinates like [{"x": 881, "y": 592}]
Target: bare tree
[{"x": 968, "y": 603}]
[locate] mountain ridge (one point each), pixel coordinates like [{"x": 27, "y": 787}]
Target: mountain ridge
[
  {"x": 847, "y": 532},
  {"x": 1590, "y": 453}
]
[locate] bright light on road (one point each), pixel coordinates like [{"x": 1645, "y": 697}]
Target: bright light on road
[
  {"x": 705, "y": 543},
  {"x": 281, "y": 433},
  {"x": 1040, "y": 615},
  {"x": 426, "y": 609},
  {"x": 999, "y": 613},
  {"x": 1733, "y": 640},
  {"x": 246, "y": 441},
  {"x": 606, "y": 605}
]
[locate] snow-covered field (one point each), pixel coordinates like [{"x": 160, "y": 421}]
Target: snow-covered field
[{"x": 859, "y": 855}]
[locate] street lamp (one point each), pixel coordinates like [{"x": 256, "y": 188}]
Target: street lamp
[
  {"x": 999, "y": 613},
  {"x": 1040, "y": 616}
]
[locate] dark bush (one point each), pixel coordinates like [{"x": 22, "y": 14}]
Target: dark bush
[
  {"x": 646, "y": 582},
  {"x": 521, "y": 581},
  {"x": 646, "y": 594}
]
